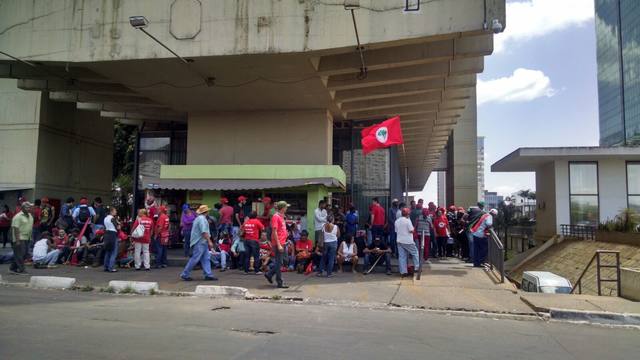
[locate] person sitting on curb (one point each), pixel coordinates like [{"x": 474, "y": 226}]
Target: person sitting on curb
[
  {"x": 348, "y": 253},
  {"x": 44, "y": 252},
  {"x": 304, "y": 247},
  {"x": 377, "y": 249}
]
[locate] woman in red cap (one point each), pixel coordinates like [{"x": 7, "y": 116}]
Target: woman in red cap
[
  {"x": 141, "y": 243},
  {"x": 162, "y": 234},
  {"x": 441, "y": 227}
]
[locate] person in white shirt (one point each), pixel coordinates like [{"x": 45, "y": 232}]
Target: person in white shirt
[
  {"x": 320, "y": 217},
  {"x": 41, "y": 253},
  {"x": 406, "y": 245}
]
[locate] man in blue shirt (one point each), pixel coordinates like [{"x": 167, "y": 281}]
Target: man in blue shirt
[
  {"x": 200, "y": 244},
  {"x": 480, "y": 238}
]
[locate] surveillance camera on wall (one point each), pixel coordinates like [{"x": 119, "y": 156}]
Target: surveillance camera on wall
[{"x": 496, "y": 26}]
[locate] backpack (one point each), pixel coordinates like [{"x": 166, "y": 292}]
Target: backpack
[{"x": 83, "y": 214}]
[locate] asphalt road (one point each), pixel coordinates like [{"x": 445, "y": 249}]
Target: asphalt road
[{"x": 41, "y": 324}]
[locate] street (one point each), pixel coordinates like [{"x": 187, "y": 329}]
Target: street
[{"x": 47, "y": 324}]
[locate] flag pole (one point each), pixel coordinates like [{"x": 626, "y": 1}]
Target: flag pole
[{"x": 406, "y": 176}]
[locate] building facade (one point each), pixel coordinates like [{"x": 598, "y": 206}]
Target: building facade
[
  {"x": 492, "y": 199},
  {"x": 481, "y": 184},
  {"x": 618, "y": 36}
]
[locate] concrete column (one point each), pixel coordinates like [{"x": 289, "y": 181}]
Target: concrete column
[
  {"x": 261, "y": 137},
  {"x": 462, "y": 176},
  {"x": 314, "y": 195}
]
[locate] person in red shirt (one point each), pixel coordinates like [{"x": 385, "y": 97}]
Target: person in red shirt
[
  {"x": 377, "y": 219},
  {"x": 226, "y": 217},
  {"x": 141, "y": 244},
  {"x": 5, "y": 224},
  {"x": 265, "y": 217},
  {"x": 304, "y": 246},
  {"x": 279, "y": 235},
  {"x": 250, "y": 232},
  {"x": 441, "y": 228},
  {"x": 162, "y": 234}
]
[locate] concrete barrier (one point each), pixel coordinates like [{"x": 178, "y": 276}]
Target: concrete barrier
[
  {"x": 606, "y": 318},
  {"x": 52, "y": 282},
  {"x": 630, "y": 284},
  {"x": 221, "y": 291},
  {"x": 139, "y": 287}
]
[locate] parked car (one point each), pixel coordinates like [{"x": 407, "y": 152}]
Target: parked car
[{"x": 545, "y": 282}]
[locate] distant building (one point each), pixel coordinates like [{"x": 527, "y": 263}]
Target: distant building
[
  {"x": 480, "y": 167},
  {"x": 525, "y": 207},
  {"x": 492, "y": 199}
]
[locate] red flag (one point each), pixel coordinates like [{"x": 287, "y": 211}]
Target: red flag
[{"x": 382, "y": 135}]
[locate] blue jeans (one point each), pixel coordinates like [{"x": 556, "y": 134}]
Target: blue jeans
[
  {"x": 220, "y": 259},
  {"x": 370, "y": 258},
  {"x": 329, "y": 252},
  {"x": 161, "y": 255},
  {"x": 50, "y": 259},
  {"x": 403, "y": 251},
  {"x": 393, "y": 245},
  {"x": 480, "y": 245},
  {"x": 470, "y": 238},
  {"x": 274, "y": 268},
  {"x": 110, "y": 255},
  {"x": 200, "y": 255}
]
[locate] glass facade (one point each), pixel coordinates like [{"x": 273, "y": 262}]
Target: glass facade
[
  {"x": 618, "y": 54},
  {"x": 633, "y": 186},
  {"x": 583, "y": 193}
]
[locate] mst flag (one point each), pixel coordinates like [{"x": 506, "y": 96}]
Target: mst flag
[{"x": 381, "y": 135}]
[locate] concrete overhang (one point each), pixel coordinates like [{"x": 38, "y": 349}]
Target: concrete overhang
[{"x": 530, "y": 159}]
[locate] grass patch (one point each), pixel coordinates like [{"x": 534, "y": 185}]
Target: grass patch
[
  {"x": 276, "y": 297},
  {"x": 153, "y": 292},
  {"x": 127, "y": 290},
  {"x": 86, "y": 288},
  {"x": 108, "y": 289}
]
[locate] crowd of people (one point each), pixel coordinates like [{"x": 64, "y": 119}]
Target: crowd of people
[{"x": 236, "y": 237}]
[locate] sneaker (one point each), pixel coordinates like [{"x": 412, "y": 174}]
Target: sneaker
[
  {"x": 259, "y": 273},
  {"x": 319, "y": 274},
  {"x": 186, "y": 278},
  {"x": 210, "y": 278},
  {"x": 163, "y": 266},
  {"x": 282, "y": 286},
  {"x": 113, "y": 270},
  {"x": 331, "y": 275},
  {"x": 388, "y": 272},
  {"x": 223, "y": 269}
]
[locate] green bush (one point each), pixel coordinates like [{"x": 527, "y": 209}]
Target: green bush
[{"x": 626, "y": 221}]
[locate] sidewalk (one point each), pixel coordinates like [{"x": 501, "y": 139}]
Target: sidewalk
[{"x": 446, "y": 285}]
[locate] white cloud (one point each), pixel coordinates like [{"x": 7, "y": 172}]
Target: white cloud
[
  {"x": 535, "y": 18},
  {"x": 522, "y": 85}
]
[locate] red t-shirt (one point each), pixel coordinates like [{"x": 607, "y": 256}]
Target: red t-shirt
[
  {"x": 378, "y": 215},
  {"x": 162, "y": 228},
  {"x": 304, "y": 245},
  {"x": 148, "y": 225},
  {"x": 441, "y": 226},
  {"x": 5, "y": 221},
  {"x": 226, "y": 214},
  {"x": 252, "y": 228},
  {"x": 36, "y": 216},
  {"x": 280, "y": 227}
]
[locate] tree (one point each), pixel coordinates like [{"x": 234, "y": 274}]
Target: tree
[
  {"x": 505, "y": 218},
  {"x": 124, "y": 144},
  {"x": 527, "y": 194}
]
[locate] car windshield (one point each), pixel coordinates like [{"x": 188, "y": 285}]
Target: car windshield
[{"x": 555, "y": 289}]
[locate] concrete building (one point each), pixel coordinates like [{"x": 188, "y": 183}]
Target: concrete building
[
  {"x": 481, "y": 184},
  {"x": 261, "y": 96},
  {"x": 617, "y": 35},
  {"x": 492, "y": 199},
  {"x": 525, "y": 207}
]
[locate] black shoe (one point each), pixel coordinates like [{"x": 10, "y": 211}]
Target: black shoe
[
  {"x": 282, "y": 286},
  {"x": 269, "y": 279},
  {"x": 188, "y": 278},
  {"x": 210, "y": 278}
]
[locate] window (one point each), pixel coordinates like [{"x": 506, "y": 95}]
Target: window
[
  {"x": 583, "y": 193},
  {"x": 633, "y": 186}
]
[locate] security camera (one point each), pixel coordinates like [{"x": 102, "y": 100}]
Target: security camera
[
  {"x": 138, "y": 22},
  {"x": 496, "y": 26}
]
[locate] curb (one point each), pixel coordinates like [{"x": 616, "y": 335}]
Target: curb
[
  {"x": 222, "y": 291},
  {"x": 597, "y": 317},
  {"x": 52, "y": 282},
  {"x": 140, "y": 287}
]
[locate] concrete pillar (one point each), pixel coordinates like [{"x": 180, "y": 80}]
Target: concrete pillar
[
  {"x": 314, "y": 195},
  {"x": 260, "y": 137},
  {"x": 462, "y": 176}
]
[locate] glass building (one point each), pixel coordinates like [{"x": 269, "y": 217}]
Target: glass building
[{"x": 618, "y": 54}]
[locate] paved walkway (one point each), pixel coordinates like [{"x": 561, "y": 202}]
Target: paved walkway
[{"x": 447, "y": 284}]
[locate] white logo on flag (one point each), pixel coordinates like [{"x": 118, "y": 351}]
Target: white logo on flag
[{"x": 382, "y": 134}]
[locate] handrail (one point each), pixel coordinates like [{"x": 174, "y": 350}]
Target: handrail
[
  {"x": 586, "y": 232},
  {"x": 495, "y": 256},
  {"x": 599, "y": 280}
]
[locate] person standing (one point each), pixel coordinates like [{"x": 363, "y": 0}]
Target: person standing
[
  {"x": 377, "y": 219},
  {"x": 200, "y": 244},
  {"x": 5, "y": 225},
  {"x": 47, "y": 214},
  {"x": 441, "y": 226},
  {"x": 391, "y": 220},
  {"x": 141, "y": 243},
  {"x": 351, "y": 220},
  {"x": 279, "y": 237},
  {"x": 239, "y": 216},
  {"x": 81, "y": 215},
  {"x": 22, "y": 225},
  {"x": 162, "y": 235},
  {"x": 406, "y": 245},
  {"x": 111, "y": 227},
  {"x": 480, "y": 232},
  {"x": 66, "y": 212},
  {"x": 35, "y": 212},
  {"x": 473, "y": 215},
  {"x": 331, "y": 233},
  {"x": 251, "y": 230},
  {"x": 320, "y": 219},
  {"x": 423, "y": 227},
  {"x": 226, "y": 217},
  {"x": 186, "y": 221},
  {"x": 101, "y": 213}
]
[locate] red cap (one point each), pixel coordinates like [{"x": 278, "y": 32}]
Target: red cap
[
  {"x": 224, "y": 200},
  {"x": 99, "y": 232},
  {"x": 83, "y": 201},
  {"x": 266, "y": 199},
  {"x": 405, "y": 211},
  {"x": 242, "y": 198}
]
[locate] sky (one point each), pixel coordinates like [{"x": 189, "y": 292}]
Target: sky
[{"x": 538, "y": 88}]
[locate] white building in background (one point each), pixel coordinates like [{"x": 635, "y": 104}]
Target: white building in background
[
  {"x": 481, "y": 190},
  {"x": 491, "y": 199},
  {"x": 524, "y": 206}
]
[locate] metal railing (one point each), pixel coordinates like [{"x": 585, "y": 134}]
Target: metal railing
[
  {"x": 599, "y": 266},
  {"x": 586, "y": 232},
  {"x": 495, "y": 254}
]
